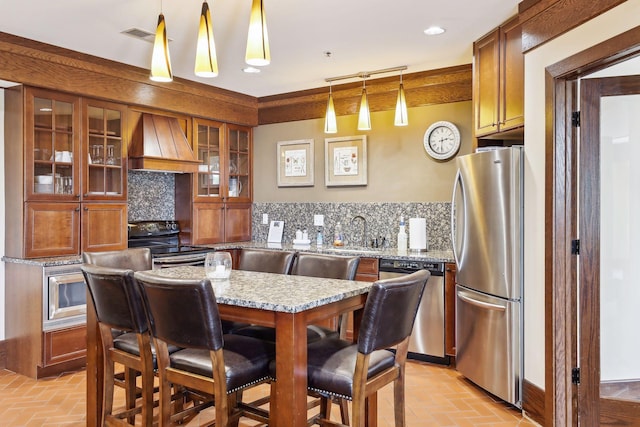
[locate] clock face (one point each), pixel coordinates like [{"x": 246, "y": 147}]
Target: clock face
[{"x": 442, "y": 140}]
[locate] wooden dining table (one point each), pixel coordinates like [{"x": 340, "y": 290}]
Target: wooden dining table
[{"x": 286, "y": 302}]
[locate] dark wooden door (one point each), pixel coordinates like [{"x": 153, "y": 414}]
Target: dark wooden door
[{"x": 609, "y": 267}]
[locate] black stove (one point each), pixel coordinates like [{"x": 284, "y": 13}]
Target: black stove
[{"x": 163, "y": 238}]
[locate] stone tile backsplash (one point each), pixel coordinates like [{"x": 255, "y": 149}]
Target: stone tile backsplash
[
  {"x": 382, "y": 221},
  {"x": 152, "y": 196}
]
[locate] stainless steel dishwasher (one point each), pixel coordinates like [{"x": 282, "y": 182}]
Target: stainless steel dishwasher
[{"x": 427, "y": 338}]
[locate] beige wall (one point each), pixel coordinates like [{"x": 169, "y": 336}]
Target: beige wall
[
  {"x": 615, "y": 21},
  {"x": 399, "y": 168}
]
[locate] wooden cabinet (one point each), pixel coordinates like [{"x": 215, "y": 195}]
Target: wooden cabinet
[
  {"x": 498, "y": 81},
  {"x": 104, "y": 151},
  {"x": 450, "y": 309},
  {"x": 31, "y": 351},
  {"x": 367, "y": 270},
  {"x": 214, "y": 205},
  {"x": 49, "y": 148}
]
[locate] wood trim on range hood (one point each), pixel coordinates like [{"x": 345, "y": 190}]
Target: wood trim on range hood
[{"x": 159, "y": 144}]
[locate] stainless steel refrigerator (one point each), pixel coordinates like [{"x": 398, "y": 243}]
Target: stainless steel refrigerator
[{"x": 487, "y": 236}]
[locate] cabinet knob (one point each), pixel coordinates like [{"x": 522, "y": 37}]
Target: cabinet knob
[
  {"x": 86, "y": 209},
  {"x": 77, "y": 209}
]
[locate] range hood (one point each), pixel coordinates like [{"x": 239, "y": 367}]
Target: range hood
[{"x": 158, "y": 143}]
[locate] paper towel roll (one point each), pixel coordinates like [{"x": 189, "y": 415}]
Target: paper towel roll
[{"x": 417, "y": 234}]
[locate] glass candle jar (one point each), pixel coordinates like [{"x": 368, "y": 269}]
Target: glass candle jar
[{"x": 217, "y": 265}]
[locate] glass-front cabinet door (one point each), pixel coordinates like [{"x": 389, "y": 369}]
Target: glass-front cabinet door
[
  {"x": 209, "y": 146},
  {"x": 52, "y": 142},
  {"x": 104, "y": 150},
  {"x": 239, "y": 151}
]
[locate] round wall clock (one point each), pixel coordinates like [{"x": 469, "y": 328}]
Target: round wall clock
[{"x": 442, "y": 140}]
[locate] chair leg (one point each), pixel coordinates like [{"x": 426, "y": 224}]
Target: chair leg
[
  {"x": 398, "y": 401},
  {"x": 107, "y": 393},
  {"x": 344, "y": 411},
  {"x": 130, "y": 391}
]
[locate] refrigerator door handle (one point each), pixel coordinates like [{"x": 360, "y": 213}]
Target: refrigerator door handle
[
  {"x": 457, "y": 181},
  {"x": 482, "y": 304}
]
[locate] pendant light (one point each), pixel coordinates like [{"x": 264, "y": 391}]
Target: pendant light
[
  {"x": 330, "y": 121},
  {"x": 258, "y": 53},
  {"x": 401, "y": 107},
  {"x": 364, "y": 118},
  {"x": 206, "y": 59},
  {"x": 160, "y": 60}
]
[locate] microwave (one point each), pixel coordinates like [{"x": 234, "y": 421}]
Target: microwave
[{"x": 64, "y": 297}]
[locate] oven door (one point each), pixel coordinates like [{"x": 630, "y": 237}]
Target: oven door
[{"x": 64, "y": 299}]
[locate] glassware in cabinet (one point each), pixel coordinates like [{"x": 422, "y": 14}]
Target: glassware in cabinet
[
  {"x": 208, "y": 143},
  {"x": 52, "y": 144},
  {"x": 105, "y": 148}
]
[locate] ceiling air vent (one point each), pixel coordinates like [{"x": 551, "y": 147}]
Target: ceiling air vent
[{"x": 141, "y": 34}]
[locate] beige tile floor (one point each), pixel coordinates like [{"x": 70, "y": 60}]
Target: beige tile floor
[{"x": 436, "y": 396}]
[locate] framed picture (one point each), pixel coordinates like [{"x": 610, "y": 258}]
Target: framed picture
[
  {"x": 295, "y": 163},
  {"x": 345, "y": 161}
]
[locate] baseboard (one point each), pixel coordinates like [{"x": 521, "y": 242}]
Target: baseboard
[
  {"x": 3, "y": 354},
  {"x": 533, "y": 402}
]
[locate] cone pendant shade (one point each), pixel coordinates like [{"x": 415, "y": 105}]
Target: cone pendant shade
[
  {"x": 330, "y": 121},
  {"x": 206, "y": 59},
  {"x": 364, "y": 118},
  {"x": 401, "y": 108},
  {"x": 160, "y": 60},
  {"x": 258, "y": 53}
]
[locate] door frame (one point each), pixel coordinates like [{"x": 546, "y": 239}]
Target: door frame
[{"x": 560, "y": 215}]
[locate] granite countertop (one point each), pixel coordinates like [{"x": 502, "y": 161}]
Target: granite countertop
[
  {"x": 274, "y": 292},
  {"x": 391, "y": 253},
  {"x": 430, "y": 256}
]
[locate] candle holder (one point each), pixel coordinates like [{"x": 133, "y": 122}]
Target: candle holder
[{"x": 217, "y": 265}]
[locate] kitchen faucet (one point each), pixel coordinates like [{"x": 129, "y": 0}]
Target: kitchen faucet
[{"x": 364, "y": 229}]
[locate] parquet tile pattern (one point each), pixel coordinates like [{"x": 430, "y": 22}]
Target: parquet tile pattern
[{"x": 436, "y": 396}]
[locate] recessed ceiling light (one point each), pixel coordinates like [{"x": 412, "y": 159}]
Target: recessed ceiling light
[
  {"x": 434, "y": 30},
  {"x": 251, "y": 70}
]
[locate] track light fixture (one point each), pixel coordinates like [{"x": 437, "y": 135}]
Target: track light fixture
[
  {"x": 364, "y": 114},
  {"x": 364, "y": 117},
  {"x": 330, "y": 120},
  {"x": 401, "y": 118}
]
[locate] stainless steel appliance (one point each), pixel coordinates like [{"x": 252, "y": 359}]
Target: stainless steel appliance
[
  {"x": 427, "y": 339},
  {"x": 487, "y": 233},
  {"x": 64, "y": 297},
  {"x": 163, "y": 238}
]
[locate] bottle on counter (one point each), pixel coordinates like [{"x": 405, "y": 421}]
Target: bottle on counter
[
  {"x": 402, "y": 236},
  {"x": 338, "y": 237},
  {"x": 319, "y": 237}
]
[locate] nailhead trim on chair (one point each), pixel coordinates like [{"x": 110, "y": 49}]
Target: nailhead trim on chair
[
  {"x": 328, "y": 393},
  {"x": 258, "y": 381}
]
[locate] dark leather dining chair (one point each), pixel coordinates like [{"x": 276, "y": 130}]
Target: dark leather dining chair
[
  {"x": 136, "y": 259},
  {"x": 315, "y": 265},
  {"x": 339, "y": 368},
  {"x": 118, "y": 305},
  {"x": 264, "y": 261},
  {"x": 185, "y": 313},
  {"x": 328, "y": 267}
]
